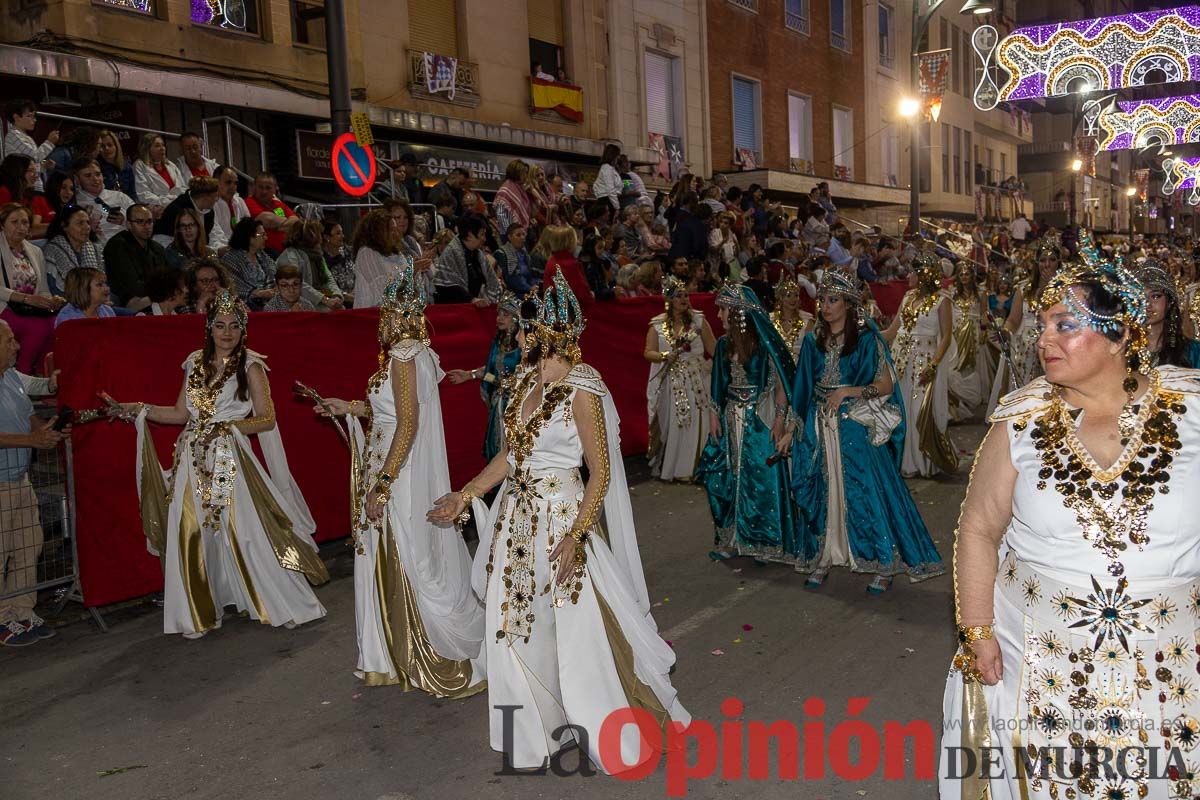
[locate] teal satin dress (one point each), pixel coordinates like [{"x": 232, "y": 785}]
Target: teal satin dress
[
  {"x": 885, "y": 531},
  {"x": 502, "y": 364},
  {"x": 749, "y": 498}
]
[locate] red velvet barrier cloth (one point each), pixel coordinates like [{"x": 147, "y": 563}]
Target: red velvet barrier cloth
[{"x": 140, "y": 358}]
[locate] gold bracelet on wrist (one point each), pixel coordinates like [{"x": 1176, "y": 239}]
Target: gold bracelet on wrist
[
  {"x": 580, "y": 535},
  {"x": 468, "y": 497},
  {"x": 975, "y": 633}
]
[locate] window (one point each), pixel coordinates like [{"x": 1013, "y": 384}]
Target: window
[
  {"x": 228, "y": 15},
  {"x": 433, "y": 26},
  {"x": 545, "y": 22},
  {"x": 308, "y": 22},
  {"x": 958, "y": 160},
  {"x": 891, "y": 156},
  {"x": 887, "y": 31},
  {"x": 967, "y": 161},
  {"x": 839, "y": 24},
  {"x": 799, "y": 132},
  {"x": 945, "y": 158},
  {"x": 746, "y": 107},
  {"x": 843, "y": 143},
  {"x": 795, "y": 15},
  {"x": 660, "y": 94},
  {"x": 139, "y": 6}
]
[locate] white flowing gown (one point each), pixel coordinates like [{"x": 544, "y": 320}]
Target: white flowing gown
[
  {"x": 927, "y": 448},
  {"x": 230, "y": 531},
  {"x": 678, "y": 404},
  {"x": 419, "y": 625},
  {"x": 577, "y": 653}
]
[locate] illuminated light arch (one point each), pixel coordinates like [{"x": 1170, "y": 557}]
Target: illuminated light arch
[
  {"x": 1086, "y": 67},
  {"x": 1154, "y": 134},
  {"x": 1130, "y": 122},
  {"x": 1191, "y": 134},
  {"x": 1151, "y": 58},
  {"x": 1180, "y": 174}
]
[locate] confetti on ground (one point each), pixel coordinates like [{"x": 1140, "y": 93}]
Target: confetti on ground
[
  {"x": 656, "y": 605},
  {"x": 326, "y": 702},
  {"x": 747, "y": 627},
  {"x": 666, "y": 599},
  {"x": 356, "y": 696},
  {"x": 718, "y": 652},
  {"x": 738, "y": 640},
  {"x": 119, "y": 770},
  {"x": 910, "y": 650},
  {"x": 741, "y": 588},
  {"x": 739, "y": 569}
]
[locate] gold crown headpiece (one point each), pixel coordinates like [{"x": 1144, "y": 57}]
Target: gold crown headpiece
[
  {"x": 227, "y": 302},
  {"x": 558, "y": 321},
  {"x": 402, "y": 310}
]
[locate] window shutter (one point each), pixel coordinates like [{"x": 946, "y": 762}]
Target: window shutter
[
  {"x": 433, "y": 26},
  {"x": 798, "y": 122},
  {"x": 546, "y": 21},
  {"x": 660, "y": 94},
  {"x": 745, "y": 118}
]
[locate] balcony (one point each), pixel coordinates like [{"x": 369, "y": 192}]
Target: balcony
[{"x": 466, "y": 82}]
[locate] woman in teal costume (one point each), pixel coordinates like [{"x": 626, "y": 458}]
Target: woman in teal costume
[
  {"x": 1168, "y": 344},
  {"x": 741, "y": 467},
  {"x": 495, "y": 376},
  {"x": 854, "y": 508}
]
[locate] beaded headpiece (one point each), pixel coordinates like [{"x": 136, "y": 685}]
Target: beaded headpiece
[
  {"x": 558, "y": 321},
  {"x": 227, "y": 302},
  {"x": 836, "y": 282},
  {"x": 509, "y": 304},
  {"x": 402, "y": 310},
  {"x": 787, "y": 285},
  {"x": 1154, "y": 276},
  {"x": 672, "y": 286},
  {"x": 928, "y": 266},
  {"x": 1050, "y": 246},
  {"x": 1116, "y": 279},
  {"x": 740, "y": 301}
]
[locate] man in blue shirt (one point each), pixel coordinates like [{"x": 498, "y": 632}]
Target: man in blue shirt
[{"x": 20, "y": 525}]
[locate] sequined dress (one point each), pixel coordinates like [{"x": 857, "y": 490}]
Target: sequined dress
[
  {"x": 418, "y": 623},
  {"x": 1096, "y": 606},
  {"x": 574, "y": 653},
  {"x": 231, "y": 530},
  {"x": 927, "y": 448},
  {"x": 678, "y": 401},
  {"x": 970, "y": 377},
  {"x": 1021, "y": 364}
]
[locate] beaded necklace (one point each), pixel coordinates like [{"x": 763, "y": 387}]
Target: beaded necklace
[
  {"x": 202, "y": 394},
  {"x": 788, "y": 332},
  {"x": 677, "y": 339},
  {"x": 918, "y": 306},
  {"x": 521, "y": 435}
]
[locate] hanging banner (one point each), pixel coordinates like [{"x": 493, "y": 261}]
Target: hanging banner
[
  {"x": 670, "y": 155},
  {"x": 562, "y": 98},
  {"x": 934, "y": 70},
  {"x": 746, "y": 158},
  {"x": 1085, "y": 151},
  {"x": 441, "y": 74},
  {"x": 1141, "y": 179}
]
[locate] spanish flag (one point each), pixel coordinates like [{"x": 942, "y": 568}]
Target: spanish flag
[{"x": 564, "y": 98}]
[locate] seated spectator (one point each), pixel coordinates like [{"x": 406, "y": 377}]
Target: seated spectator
[
  {"x": 131, "y": 255},
  {"x": 20, "y": 525},
  {"x": 117, "y": 172},
  {"x": 600, "y": 278},
  {"x": 18, "y": 176},
  {"x": 512, "y": 204},
  {"x": 21, "y": 116},
  {"x": 463, "y": 273},
  {"x": 775, "y": 263},
  {"x": 205, "y": 280},
  {"x": 561, "y": 243},
  {"x": 444, "y": 215},
  {"x": 230, "y": 208},
  {"x": 106, "y": 205},
  {"x": 690, "y": 237},
  {"x": 193, "y": 163},
  {"x": 620, "y": 253},
  {"x": 189, "y": 242},
  {"x": 513, "y": 261},
  {"x": 156, "y": 179},
  {"x": 200, "y": 197},
  {"x": 626, "y": 229},
  {"x": 60, "y": 192},
  {"x": 377, "y": 258},
  {"x": 289, "y": 286},
  {"x": 647, "y": 281},
  {"x": 26, "y": 303},
  {"x": 168, "y": 292},
  {"x": 755, "y": 269},
  {"x": 339, "y": 259},
  {"x": 87, "y": 296},
  {"x": 276, "y": 217},
  {"x": 304, "y": 252},
  {"x": 250, "y": 266},
  {"x": 451, "y": 187},
  {"x": 70, "y": 243},
  {"x": 83, "y": 143}
]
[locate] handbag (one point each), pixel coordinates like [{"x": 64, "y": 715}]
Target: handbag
[
  {"x": 22, "y": 309},
  {"x": 879, "y": 415}
]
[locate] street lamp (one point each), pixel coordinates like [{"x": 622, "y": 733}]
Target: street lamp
[
  {"x": 1129, "y": 193},
  {"x": 909, "y": 106},
  {"x": 1076, "y": 165},
  {"x": 977, "y": 7}
]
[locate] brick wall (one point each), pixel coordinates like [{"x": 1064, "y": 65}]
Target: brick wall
[{"x": 759, "y": 46}]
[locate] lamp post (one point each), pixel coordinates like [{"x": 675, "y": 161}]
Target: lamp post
[
  {"x": 1130, "y": 193},
  {"x": 1076, "y": 166}
]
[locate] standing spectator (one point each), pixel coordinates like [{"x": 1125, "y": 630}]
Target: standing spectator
[
  {"x": 87, "y": 297},
  {"x": 765, "y": 293},
  {"x": 512, "y": 204},
  {"x": 376, "y": 257},
  {"x": 205, "y": 280},
  {"x": 463, "y": 273},
  {"x": 626, "y": 230},
  {"x": 230, "y": 208},
  {"x": 21, "y": 116},
  {"x": 690, "y": 238},
  {"x": 633, "y": 188},
  {"x": 723, "y": 249},
  {"x": 250, "y": 266},
  {"x": 406, "y": 177},
  {"x": 339, "y": 259},
  {"x": 20, "y": 526},
  {"x": 25, "y": 300},
  {"x": 816, "y": 229},
  {"x": 193, "y": 163},
  {"x": 71, "y": 243},
  {"x": 513, "y": 261},
  {"x": 189, "y": 241},
  {"x": 711, "y": 197},
  {"x": 118, "y": 173},
  {"x": 106, "y": 206},
  {"x": 826, "y": 201},
  {"x": 403, "y": 229},
  {"x": 200, "y": 197},
  {"x": 289, "y": 285},
  {"x": 609, "y": 183},
  {"x": 600, "y": 277},
  {"x": 131, "y": 255},
  {"x": 81, "y": 143},
  {"x": 561, "y": 242},
  {"x": 275, "y": 216},
  {"x": 1019, "y": 229},
  {"x": 305, "y": 254},
  {"x": 156, "y": 180},
  {"x": 450, "y": 188},
  {"x": 168, "y": 292}
]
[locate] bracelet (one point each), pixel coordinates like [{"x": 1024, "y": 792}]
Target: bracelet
[
  {"x": 580, "y": 536},
  {"x": 976, "y": 633},
  {"x": 870, "y": 392},
  {"x": 468, "y": 497}
]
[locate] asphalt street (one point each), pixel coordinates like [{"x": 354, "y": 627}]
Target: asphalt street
[{"x": 262, "y": 713}]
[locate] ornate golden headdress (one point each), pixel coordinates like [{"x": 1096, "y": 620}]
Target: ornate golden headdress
[
  {"x": 558, "y": 322},
  {"x": 840, "y": 283},
  {"x": 227, "y": 302},
  {"x": 1153, "y": 275},
  {"x": 787, "y": 285},
  {"x": 402, "y": 312},
  {"x": 928, "y": 266}
]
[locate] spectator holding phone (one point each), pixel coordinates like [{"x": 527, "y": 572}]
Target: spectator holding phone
[
  {"x": 22, "y": 119},
  {"x": 20, "y": 526},
  {"x": 108, "y": 206}
]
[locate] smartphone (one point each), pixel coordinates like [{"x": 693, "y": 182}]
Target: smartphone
[{"x": 65, "y": 416}]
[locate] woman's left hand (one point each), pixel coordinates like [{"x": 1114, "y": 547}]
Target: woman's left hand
[
  {"x": 835, "y": 399},
  {"x": 927, "y": 375},
  {"x": 375, "y": 505},
  {"x": 564, "y": 552}
]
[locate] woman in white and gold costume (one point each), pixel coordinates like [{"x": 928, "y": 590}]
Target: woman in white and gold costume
[
  {"x": 922, "y": 343},
  {"x": 230, "y": 531},
  {"x": 419, "y": 625},
  {"x": 789, "y": 318},
  {"x": 569, "y": 635},
  {"x": 677, "y": 343},
  {"x": 1077, "y": 573},
  {"x": 1019, "y": 363},
  {"x": 971, "y": 371}
]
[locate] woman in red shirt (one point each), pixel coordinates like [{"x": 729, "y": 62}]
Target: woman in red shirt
[
  {"x": 18, "y": 176},
  {"x": 561, "y": 241}
]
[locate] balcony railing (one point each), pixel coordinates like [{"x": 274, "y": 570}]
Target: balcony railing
[
  {"x": 796, "y": 21},
  {"x": 466, "y": 82},
  {"x": 749, "y": 5}
]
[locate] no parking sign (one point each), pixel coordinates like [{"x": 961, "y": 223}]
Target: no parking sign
[{"x": 354, "y": 166}]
